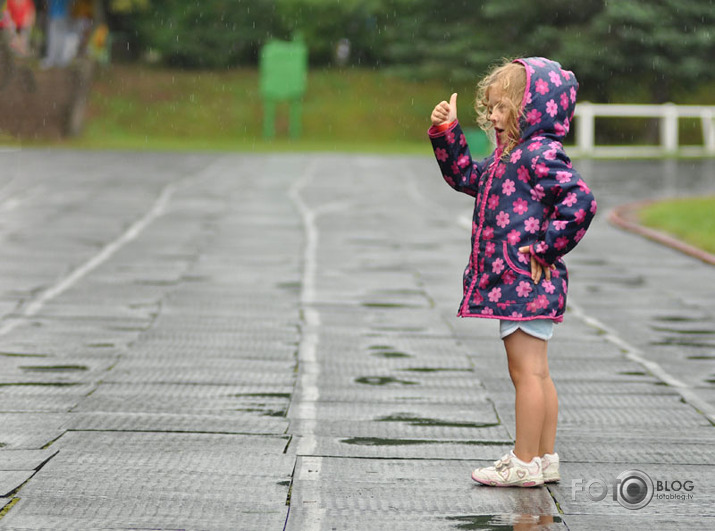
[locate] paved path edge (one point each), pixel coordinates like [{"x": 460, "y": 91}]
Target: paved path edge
[{"x": 624, "y": 217}]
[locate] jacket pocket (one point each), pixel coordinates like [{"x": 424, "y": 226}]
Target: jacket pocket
[{"x": 511, "y": 263}]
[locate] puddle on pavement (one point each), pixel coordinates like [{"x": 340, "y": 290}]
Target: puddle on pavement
[
  {"x": 703, "y": 357},
  {"x": 383, "y": 380},
  {"x": 682, "y": 337},
  {"x": 700, "y": 332},
  {"x": 389, "y": 305},
  {"x": 632, "y": 373},
  {"x": 631, "y": 282},
  {"x": 22, "y": 355},
  {"x": 262, "y": 395},
  {"x": 54, "y": 368},
  {"x": 385, "y": 351},
  {"x": 507, "y": 521},
  {"x": 414, "y": 420},
  {"x": 380, "y": 441},
  {"x": 264, "y": 412},
  {"x": 292, "y": 286},
  {"x": 128, "y": 328},
  {"x": 39, "y": 384},
  {"x": 407, "y": 329},
  {"x": 436, "y": 369},
  {"x": 673, "y": 342},
  {"x": 195, "y": 278},
  {"x": 590, "y": 261},
  {"x": 157, "y": 283},
  {"x": 391, "y": 354},
  {"x": 676, "y": 319}
]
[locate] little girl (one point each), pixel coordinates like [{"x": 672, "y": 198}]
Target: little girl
[{"x": 531, "y": 208}]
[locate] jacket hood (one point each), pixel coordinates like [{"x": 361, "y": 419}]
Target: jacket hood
[{"x": 549, "y": 99}]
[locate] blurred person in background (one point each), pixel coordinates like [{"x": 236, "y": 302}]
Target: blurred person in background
[
  {"x": 82, "y": 23},
  {"x": 18, "y": 19},
  {"x": 58, "y": 29}
]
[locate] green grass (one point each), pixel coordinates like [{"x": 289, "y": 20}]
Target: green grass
[
  {"x": 692, "y": 220},
  {"x": 134, "y": 107}
]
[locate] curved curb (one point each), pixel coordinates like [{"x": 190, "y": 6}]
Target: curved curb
[{"x": 624, "y": 217}]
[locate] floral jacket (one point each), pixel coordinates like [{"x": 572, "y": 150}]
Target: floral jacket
[{"x": 532, "y": 198}]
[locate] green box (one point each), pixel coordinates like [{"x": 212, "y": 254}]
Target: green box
[
  {"x": 283, "y": 70},
  {"x": 478, "y": 141}
]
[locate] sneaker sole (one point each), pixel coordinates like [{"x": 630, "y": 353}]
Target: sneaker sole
[{"x": 524, "y": 484}]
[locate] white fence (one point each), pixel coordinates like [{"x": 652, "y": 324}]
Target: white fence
[{"x": 669, "y": 115}]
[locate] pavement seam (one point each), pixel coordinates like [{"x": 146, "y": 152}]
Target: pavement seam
[
  {"x": 636, "y": 355},
  {"x": 158, "y": 208}
]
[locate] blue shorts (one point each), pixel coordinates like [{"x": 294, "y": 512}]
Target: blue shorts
[{"x": 540, "y": 328}]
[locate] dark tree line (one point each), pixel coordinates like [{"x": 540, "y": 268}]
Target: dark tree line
[{"x": 662, "y": 46}]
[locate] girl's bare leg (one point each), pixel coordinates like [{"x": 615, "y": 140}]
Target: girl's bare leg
[{"x": 536, "y": 400}]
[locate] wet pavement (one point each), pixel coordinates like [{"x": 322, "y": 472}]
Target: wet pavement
[{"x": 251, "y": 342}]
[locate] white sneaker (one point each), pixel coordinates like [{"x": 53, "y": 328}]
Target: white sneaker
[
  {"x": 510, "y": 471},
  {"x": 550, "y": 467}
]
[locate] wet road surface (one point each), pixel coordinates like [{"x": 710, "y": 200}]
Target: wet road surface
[{"x": 260, "y": 342}]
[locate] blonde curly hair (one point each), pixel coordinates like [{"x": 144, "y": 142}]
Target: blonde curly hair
[{"x": 510, "y": 77}]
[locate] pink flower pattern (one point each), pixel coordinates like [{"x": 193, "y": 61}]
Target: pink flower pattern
[
  {"x": 523, "y": 174},
  {"x": 570, "y": 200},
  {"x": 495, "y": 294},
  {"x": 520, "y": 206},
  {"x": 489, "y": 249},
  {"x": 542, "y": 87},
  {"x": 509, "y": 277},
  {"x": 497, "y": 265},
  {"x": 563, "y": 176},
  {"x": 531, "y": 225},
  {"x": 537, "y": 193},
  {"x": 502, "y": 219},
  {"x": 524, "y": 289},
  {"x": 508, "y": 187},
  {"x": 541, "y": 170},
  {"x": 533, "y": 117},
  {"x": 532, "y": 194},
  {"x": 514, "y": 237},
  {"x": 551, "y": 108},
  {"x": 564, "y": 101}
]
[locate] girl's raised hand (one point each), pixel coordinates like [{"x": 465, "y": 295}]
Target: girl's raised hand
[{"x": 445, "y": 113}]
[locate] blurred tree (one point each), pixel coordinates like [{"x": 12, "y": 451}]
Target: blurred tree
[
  {"x": 635, "y": 49},
  {"x": 436, "y": 38},
  {"x": 664, "y": 46},
  {"x": 649, "y": 47},
  {"x": 323, "y": 23},
  {"x": 212, "y": 34}
]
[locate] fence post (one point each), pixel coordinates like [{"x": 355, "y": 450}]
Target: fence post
[
  {"x": 707, "y": 118},
  {"x": 669, "y": 128},
  {"x": 585, "y": 128}
]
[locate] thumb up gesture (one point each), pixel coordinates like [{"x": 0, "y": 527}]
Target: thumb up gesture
[{"x": 444, "y": 112}]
